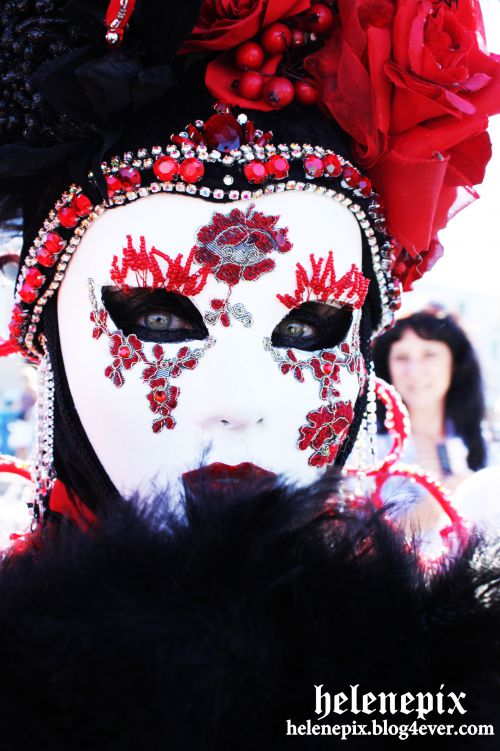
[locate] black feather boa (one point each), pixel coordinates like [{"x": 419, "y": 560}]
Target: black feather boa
[{"x": 209, "y": 633}]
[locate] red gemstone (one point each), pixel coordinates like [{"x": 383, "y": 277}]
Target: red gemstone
[
  {"x": 332, "y": 165},
  {"x": 67, "y": 217},
  {"x": 327, "y": 367},
  {"x": 27, "y": 293},
  {"x": 130, "y": 178},
  {"x": 114, "y": 185},
  {"x": 81, "y": 204},
  {"x": 277, "y": 167},
  {"x": 313, "y": 166},
  {"x": 364, "y": 186},
  {"x": 124, "y": 351},
  {"x": 351, "y": 176},
  {"x": 255, "y": 172},
  {"x": 45, "y": 258},
  {"x": 160, "y": 396},
  {"x": 54, "y": 242},
  {"x": 222, "y": 132},
  {"x": 166, "y": 168},
  {"x": 34, "y": 278},
  {"x": 192, "y": 170},
  {"x": 17, "y": 313}
]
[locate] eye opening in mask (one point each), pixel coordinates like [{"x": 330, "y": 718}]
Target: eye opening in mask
[
  {"x": 313, "y": 326},
  {"x": 154, "y": 315}
]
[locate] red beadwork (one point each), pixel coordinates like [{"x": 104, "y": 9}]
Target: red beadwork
[
  {"x": 81, "y": 204},
  {"x": 332, "y": 166},
  {"x": 255, "y": 172},
  {"x": 192, "y": 170},
  {"x": 166, "y": 168},
  {"x": 67, "y": 217},
  {"x": 160, "y": 396},
  {"x": 278, "y": 167},
  {"x": 45, "y": 258},
  {"x": 351, "y": 176},
  {"x": 114, "y": 185},
  {"x": 34, "y": 278},
  {"x": 124, "y": 351},
  {"x": 313, "y": 166},
  {"x": 27, "y": 293},
  {"x": 364, "y": 186},
  {"x": 322, "y": 283},
  {"x": 222, "y": 132},
  {"x": 54, "y": 242},
  {"x": 130, "y": 178}
]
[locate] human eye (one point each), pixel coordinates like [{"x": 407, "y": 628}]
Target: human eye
[
  {"x": 154, "y": 315},
  {"x": 312, "y": 326}
]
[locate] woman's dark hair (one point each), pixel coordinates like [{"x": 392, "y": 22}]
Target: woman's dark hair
[{"x": 464, "y": 405}]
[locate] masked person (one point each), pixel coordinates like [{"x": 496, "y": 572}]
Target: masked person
[{"x": 201, "y": 306}]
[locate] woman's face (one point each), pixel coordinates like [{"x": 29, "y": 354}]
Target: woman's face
[
  {"x": 421, "y": 370},
  {"x": 194, "y": 332}
]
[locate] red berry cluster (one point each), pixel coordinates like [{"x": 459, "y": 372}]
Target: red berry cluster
[{"x": 292, "y": 40}]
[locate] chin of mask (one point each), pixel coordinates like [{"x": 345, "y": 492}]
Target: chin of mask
[{"x": 195, "y": 333}]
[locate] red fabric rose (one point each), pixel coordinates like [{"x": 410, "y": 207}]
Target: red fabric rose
[
  {"x": 224, "y": 24},
  {"x": 410, "y": 81}
]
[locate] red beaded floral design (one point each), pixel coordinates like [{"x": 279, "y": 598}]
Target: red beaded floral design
[
  {"x": 177, "y": 274},
  {"x": 327, "y": 428},
  {"x": 321, "y": 285},
  {"x": 236, "y": 246},
  {"x": 325, "y": 432},
  {"x": 127, "y": 351}
]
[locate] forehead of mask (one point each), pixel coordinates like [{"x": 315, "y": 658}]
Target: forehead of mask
[{"x": 236, "y": 406}]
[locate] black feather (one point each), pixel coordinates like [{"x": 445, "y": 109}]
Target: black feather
[{"x": 209, "y": 632}]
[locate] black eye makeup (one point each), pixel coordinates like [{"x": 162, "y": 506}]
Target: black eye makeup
[
  {"x": 154, "y": 315},
  {"x": 312, "y": 326}
]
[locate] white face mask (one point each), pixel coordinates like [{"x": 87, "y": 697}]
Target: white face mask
[{"x": 260, "y": 371}]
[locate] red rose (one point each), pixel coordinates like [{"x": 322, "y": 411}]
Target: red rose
[
  {"x": 414, "y": 88},
  {"x": 224, "y": 24}
]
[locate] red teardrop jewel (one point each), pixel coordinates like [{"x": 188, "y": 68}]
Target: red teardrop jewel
[
  {"x": 192, "y": 170},
  {"x": 130, "y": 178},
  {"x": 81, "y": 204},
  {"x": 255, "y": 172},
  {"x": 222, "y": 132},
  {"x": 67, "y": 217},
  {"x": 166, "y": 168},
  {"x": 332, "y": 166},
  {"x": 278, "y": 167},
  {"x": 313, "y": 166}
]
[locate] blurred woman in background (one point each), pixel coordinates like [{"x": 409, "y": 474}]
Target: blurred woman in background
[{"x": 431, "y": 362}]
